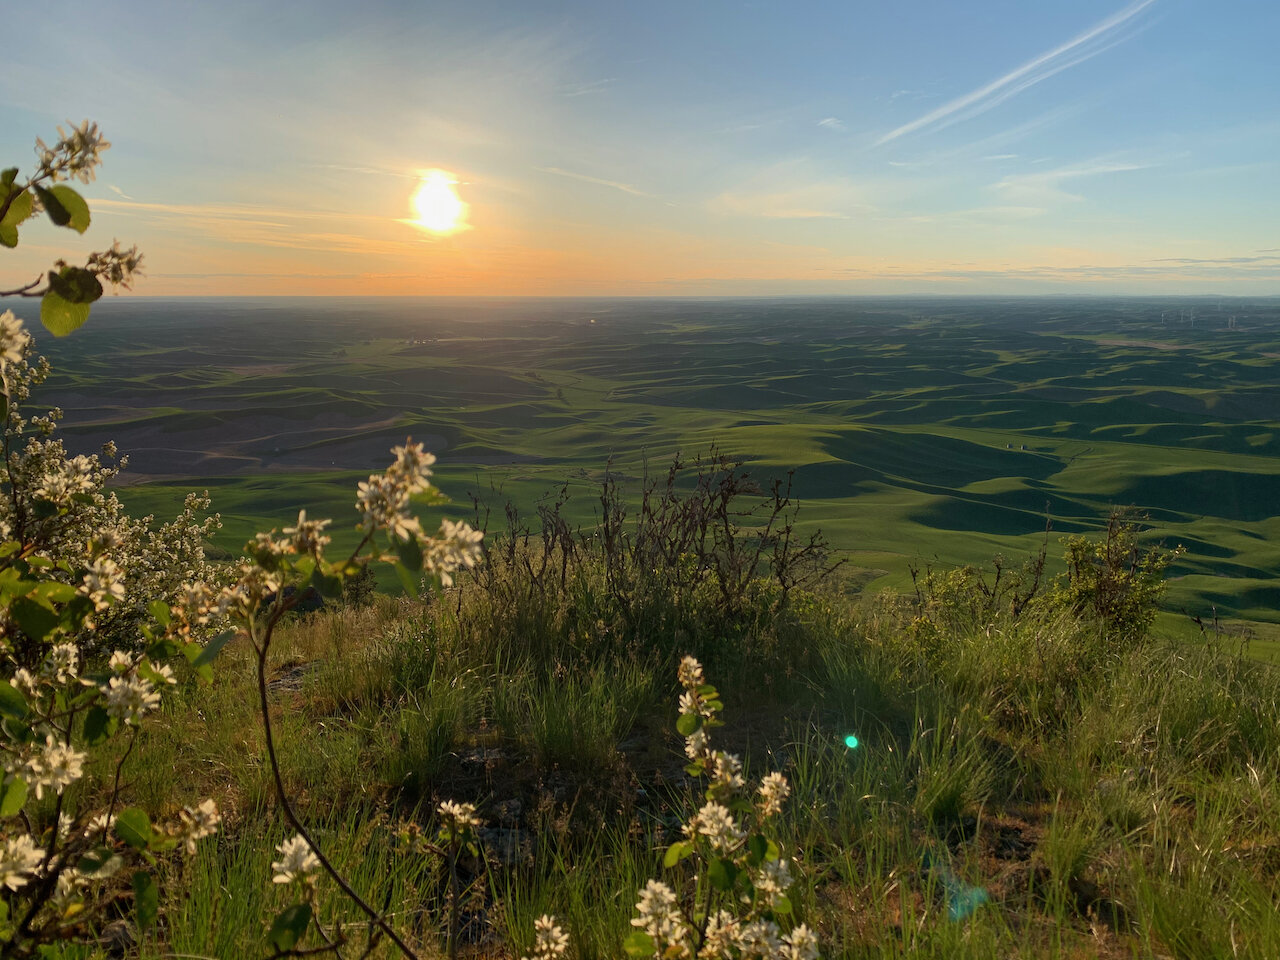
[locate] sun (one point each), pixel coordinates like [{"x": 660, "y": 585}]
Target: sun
[{"x": 436, "y": 203}]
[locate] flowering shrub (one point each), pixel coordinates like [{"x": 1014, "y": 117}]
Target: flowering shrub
[{"x": 733, "y": 898}]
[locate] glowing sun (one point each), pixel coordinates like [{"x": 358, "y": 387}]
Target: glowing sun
[{"x": 436, "y": 203}]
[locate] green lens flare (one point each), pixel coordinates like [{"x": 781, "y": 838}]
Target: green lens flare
[{"x": 851, "y": 741}]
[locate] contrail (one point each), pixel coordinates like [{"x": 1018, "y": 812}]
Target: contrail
[{"x": 1025, "y": 75}]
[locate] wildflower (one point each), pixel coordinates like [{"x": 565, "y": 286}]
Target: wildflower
[
  {"x": 697, "y": 744},
  {"x": 130, "y": 697},
  {"x": 759, "y": 939},
  {"x": 100, "y": 824},
  {"x": 692, "y": 702},
  {"x": 297, "y": 861},
  {"x": 461, "y": 815},
  {"x": 62, "y": 663},
  {"x": 13, "y": 339},
  {"x": 660, "y": 916},
  {"x": 24, "y": 681},
  {"x": 727, "y": 772},
  {"x": 308, "y": 536},
  {"x": 117, "y": 266},
  {"x": 773, "y": 790},
  {"x": 102, "y": 582},
  {"x": 690, "y": 673},
  {"x": 200, "y": 822},
  {"x": 412, "y": 466},
  {"x": 773, "y": 880},
  {"x": 457, "y": 548},
  {"x": 19, "y": 858},
  {"x": 120, "y": 662},
  {"x": 75, "y": 154},
  {"x": 716, "y": 823},
  {"x": 549, "y": 940},
  {"x": 721, "y": 936},
  {"x": 802, "y": 944},
  {"x": 56, "y": 766}
]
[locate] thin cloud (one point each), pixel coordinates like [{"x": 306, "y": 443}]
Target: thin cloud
[
  {"x": 590, "y": 87},
  {"x": 1075, "y": 51},
  {"x": 598, "y": 181},
  {"x": 831, "y": 123},
  {"x": 1001, "y": 156},
  {"x": 1044, "y": 189},
  {"x": 118, "y": 192}
]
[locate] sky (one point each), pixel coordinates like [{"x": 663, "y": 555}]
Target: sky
[{"x": 693, "y": 148}]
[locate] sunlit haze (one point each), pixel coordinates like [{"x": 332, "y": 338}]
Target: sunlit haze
[{"x": 714, "y": 148}]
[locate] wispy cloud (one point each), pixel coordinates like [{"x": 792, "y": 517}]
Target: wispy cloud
[
  {"x": 1101, "y": 36},
  {"x": 1044, "y": 188},
  {"x": 1001, "y": 156},
  {"x": 118, "y": 192},
  {"x": 598, "y": 181},
  {"x": 831, "y": 123},
  {"x": 588, "y": 87}
]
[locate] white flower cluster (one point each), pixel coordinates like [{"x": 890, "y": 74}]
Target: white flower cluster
[
  {"x": 742, "y": 924},
  {"x": 130, "y": 696},
  {"x": 459, "y": 816},
  {"x": 660, "y": 917},
  {"x": 297, "y": 863},
  {"x": 456, "y": 548},
  {"x": 19, "y": 860},
  {"x": 549, "y": 940},
  {"x": 196, "y": 823},
  {"x": 14, "y": 340},
  {"x": 75, "y": 154},
  {"x": 383, "y": 501},
  {"x": 117, "y": 265}
]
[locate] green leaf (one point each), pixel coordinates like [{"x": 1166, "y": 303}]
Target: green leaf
[
  {"x": 133, "y": 826},
  {"x": 758, "y": 847},
  {"x": 13, "y": 797},
  {"x": 65, "y": 207},
  {"x": 99, "y": 863},
  {"x": 51, "y": 591},
  {"x": 7, "y": 176},
  {"x": 59, "y": 214},
  {"x": 639, "y": 944},
  {"x": 19, "y": 209},
  {"x": 688, "y": 724},
  {"x": 407, "y": 580},
  {"x": 159, "y": 611},
  {"x": 12, "y": 703},
  {"x": 677, "y": 852},
  {"x": 782, "y": 906},
  {"x": 212, "y": 648},
  {"x": 289, "y": 926},
  {"x": 76, "y": 285},
  {"x": 326, "y": 586},
  {"x": 722, "y": 873},
  {"x": 146, "y": 899},
  {"x": 61, "y": 317},
  {"x": 34, "y": 619},
  {"x": 164, "y": 649},
  {"x": 410, "y": 554}
]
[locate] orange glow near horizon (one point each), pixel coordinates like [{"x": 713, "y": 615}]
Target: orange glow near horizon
[{"x": 437, "y": 206}]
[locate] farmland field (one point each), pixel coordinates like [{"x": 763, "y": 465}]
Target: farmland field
[{"x": 921, "y": 431}]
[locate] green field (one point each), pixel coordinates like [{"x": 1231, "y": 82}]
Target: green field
[{"x": 920, "y": 431}]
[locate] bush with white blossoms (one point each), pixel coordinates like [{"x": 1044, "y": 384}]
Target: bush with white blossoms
[{"x": 729, "y": 892}]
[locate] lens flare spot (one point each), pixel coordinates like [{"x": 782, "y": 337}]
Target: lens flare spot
[
  {"x": 436, "y": 204},
  {"x": 851, "y": 741}
]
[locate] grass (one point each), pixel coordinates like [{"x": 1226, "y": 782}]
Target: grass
[
  {"x": 938, "y": 430},
  {"x": 1021, "y": 786}
]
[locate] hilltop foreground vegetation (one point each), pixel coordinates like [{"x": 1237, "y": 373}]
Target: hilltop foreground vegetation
[{"x": 529, "y": 756}]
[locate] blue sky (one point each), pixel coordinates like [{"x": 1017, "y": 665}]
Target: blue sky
[{"x": 668, "y": 148}]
